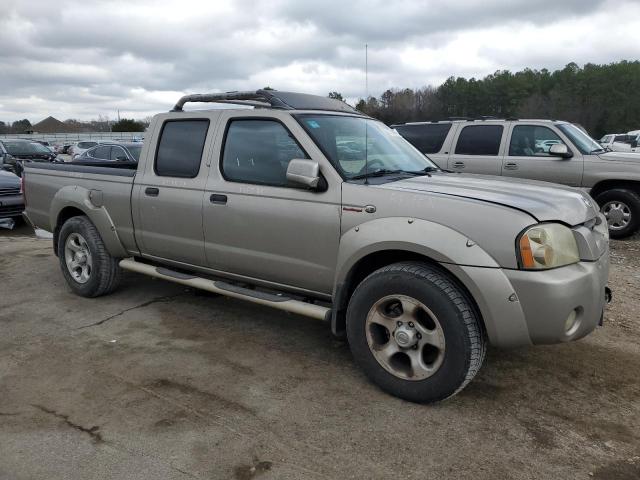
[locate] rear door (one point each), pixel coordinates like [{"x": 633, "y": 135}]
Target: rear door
[
  {"x": 168, "y": 210},
  {"x": 478, "y": 149},
  {"x": 528, "y": 155}
]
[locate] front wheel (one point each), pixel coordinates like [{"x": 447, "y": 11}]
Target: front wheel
[
  {"x": 621, "y": 207},
  {"x": 414, "y": 332},
  {"x": 86, "y": 264}
]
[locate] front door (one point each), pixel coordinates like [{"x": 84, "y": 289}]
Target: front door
[
  {"x": 477, "y": 150},
  {"x": 256, "y": 223},
  {"x": 528, "y": 156},
  {"x": 168, "y": 213}
]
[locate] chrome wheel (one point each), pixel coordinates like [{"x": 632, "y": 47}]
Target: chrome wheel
[
  {"x": 618, "y": 214},
  {"x": 405, "y": 337},
  {"x": 77, "y": 256}
]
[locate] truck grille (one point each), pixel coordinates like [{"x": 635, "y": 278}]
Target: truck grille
[{"x": 9, "y": 191}]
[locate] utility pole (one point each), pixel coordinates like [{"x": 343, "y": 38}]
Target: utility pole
[{"x": 366, "y": 71}]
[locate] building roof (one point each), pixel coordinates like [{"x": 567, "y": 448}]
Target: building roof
[{"x": 52, "y": 125}]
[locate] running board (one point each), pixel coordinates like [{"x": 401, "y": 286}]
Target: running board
[{"x": 280, "y": 302}]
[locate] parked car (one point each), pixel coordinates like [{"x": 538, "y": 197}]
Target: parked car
[
  {"x": 513, "y": 148},
  {"x": 626, "y": 143},
  {"x": 607, "y": 140},
  {"x": 111, "y": 152},
  {"x": 11, "y": 198},
  {"x": 15, "y": 152},
  {"x": 46, "y": 144},
  {"x": 419, "y": 268},
  {"x": 78, "y": 148}
]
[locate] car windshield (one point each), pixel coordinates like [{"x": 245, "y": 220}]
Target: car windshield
[
  {"x": 23, "y": 148},
  {"x": 357, "y": 146},
  {"x": 135, "y": 151},
  {"x": 580, "y": 139}
]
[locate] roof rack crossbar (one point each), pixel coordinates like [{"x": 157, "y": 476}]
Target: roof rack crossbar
[{"x": 228, "y": 97}]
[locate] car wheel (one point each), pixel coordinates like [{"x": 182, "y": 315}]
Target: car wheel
[
  {"x": 621, "y": 208},
  {"x": 86, "y": 264},
  {"x": 415, "y": 332}
]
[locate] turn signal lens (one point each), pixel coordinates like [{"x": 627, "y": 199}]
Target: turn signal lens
[{"x": 547, "y": 245}]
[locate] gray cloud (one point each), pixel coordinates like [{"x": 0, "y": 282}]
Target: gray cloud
[{"x": 80, "y": 59}]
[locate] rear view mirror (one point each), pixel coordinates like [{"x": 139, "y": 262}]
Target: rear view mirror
[
  {"x": 560, "y": 150},
  {"x": 304, "y": 172}
]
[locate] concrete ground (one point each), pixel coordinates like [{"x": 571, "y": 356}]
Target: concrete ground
[{"x": 159, "y": 382}]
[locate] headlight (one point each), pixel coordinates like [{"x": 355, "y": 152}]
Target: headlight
[{"x": 547, "y": 245}]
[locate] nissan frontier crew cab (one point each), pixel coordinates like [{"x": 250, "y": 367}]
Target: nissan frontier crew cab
[
  {"x": 306, "y": 205},
  {"x": 548, "y": 150}
]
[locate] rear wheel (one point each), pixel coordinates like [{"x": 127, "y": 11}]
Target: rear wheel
[
  {"x": 414, "y": 332},
  {"x": 85, "y": 262},
  {"x": 621, "y": 207}
]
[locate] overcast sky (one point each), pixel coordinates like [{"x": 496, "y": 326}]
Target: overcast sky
[{"x": 81, "y": 59}]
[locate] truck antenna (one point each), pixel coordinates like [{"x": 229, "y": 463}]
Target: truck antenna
[{"x": 366, "y": 122}]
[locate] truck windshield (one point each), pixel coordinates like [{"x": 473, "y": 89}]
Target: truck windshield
[
  {"x": 357, "y": 146},
  {"x": 580, "y": 139}
]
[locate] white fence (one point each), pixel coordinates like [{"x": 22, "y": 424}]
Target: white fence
[{"x": 61, "y": 138}]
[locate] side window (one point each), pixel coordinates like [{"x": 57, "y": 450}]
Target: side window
[
  {"x": 180, "y": 148},
  {"x": 259, "y": 151},
  {"x": 428, "y": 138},
  {"x": 118, "y": 152},
  {"x": 479, "y": 140},
  {"x": 532, "y": 141},
  {"x": 103, "y": 152}
]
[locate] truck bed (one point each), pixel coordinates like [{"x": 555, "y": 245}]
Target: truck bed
[{"x": 54, "y": 189}]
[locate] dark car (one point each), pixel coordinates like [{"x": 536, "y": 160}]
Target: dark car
[
  {"x": 14, "y": 152},
  {"x": 11, "y": 198},
  {"x": 111, "y": 152}
]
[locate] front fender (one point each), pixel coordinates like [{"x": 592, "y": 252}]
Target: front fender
[
  {"x": 433, "y": 240},
  {"x": 81, "y": 199}
]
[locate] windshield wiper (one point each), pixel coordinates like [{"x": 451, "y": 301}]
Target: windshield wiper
[
  {"x": 597, "y": 150},
  {"x": 377, "y": 173}
]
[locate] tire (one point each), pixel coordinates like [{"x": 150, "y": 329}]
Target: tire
[
  {"x": 79, "y": 236},
  {"x": 430, "y": 302},
  {"x": 616, "y": 202}
]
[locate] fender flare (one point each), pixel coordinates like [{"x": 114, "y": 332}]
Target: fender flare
[
  {"x": 430, "y": 239},
  {"x": 81, "y": 199}
]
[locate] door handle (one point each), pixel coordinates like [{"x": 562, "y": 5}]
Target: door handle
[
  {"x": 218, "y": 199},
  {"x": 458, "y": 164},
  {"x": 510, "y": 166},
  {"x": 152, "y": 191}
]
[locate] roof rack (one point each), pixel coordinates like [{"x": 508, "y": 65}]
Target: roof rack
[{"x": 269, "y": 99}]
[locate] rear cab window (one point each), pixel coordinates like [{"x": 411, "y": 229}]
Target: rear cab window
[
  {"x": 180, "y": 148},
  {"x": 479, "y": 140},
  {"x": 428, "y": 138}
]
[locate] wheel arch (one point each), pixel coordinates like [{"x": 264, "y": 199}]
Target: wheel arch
[
  {"x": 373, "y": 261},
  {"x": 605, "y": 185},
  {"x": 72, "y": 201}
]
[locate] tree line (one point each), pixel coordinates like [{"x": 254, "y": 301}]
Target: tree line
[
  {"x": 601, "y": 98},
  {"x": 102, "y": 124}
]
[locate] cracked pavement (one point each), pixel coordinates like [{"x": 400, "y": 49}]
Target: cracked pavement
[{"x": 159, "y": 381}]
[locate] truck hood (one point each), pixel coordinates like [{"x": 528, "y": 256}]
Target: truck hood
[
  {"x": 628, "y": 157},
  {"x": 542, "y": 200},
  {"x": 8, "y": 179}
]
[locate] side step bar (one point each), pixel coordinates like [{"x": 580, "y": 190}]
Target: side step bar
[{"x": 230, "y": 290}]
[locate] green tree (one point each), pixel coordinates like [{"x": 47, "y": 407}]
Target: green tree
[
  {"x": 21, "y": 126},
  {"x": 128, "y": 125},
  {"x": 336, "y": 96}
]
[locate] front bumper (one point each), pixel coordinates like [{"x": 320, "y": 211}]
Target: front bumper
[
  {"x": 11, "y": 206},
  {"x": 530, "y": 307}
]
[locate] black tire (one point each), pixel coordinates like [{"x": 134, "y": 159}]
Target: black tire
[
  {"x": 465, "y": 342},
  {"x": 105, "y": 273},
  {"x": 627, "y": 197}
]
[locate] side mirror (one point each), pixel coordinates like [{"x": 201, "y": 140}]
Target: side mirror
[
  {"x": 560, "y": 150},
  {"x": 304, "y": 172}
]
